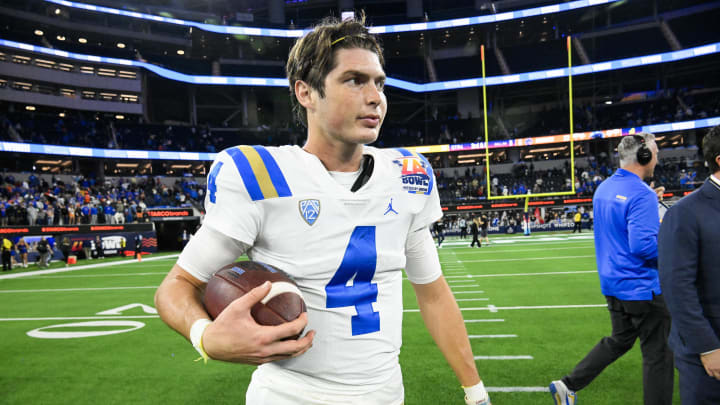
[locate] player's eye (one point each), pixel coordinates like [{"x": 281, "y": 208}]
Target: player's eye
[{"x": 380, "y": 84}]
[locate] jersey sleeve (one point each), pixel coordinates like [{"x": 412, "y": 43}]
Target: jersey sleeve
[
  {"x": 423, "y": 264},
  {"x": 229, "y": 208}
]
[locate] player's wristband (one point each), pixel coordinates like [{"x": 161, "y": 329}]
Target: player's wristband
[
  {"x": 476, "y": 395},
  {"x": 196, "y": 334}
]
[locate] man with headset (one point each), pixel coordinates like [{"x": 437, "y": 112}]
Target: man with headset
[{"x": 626, "y": 228}]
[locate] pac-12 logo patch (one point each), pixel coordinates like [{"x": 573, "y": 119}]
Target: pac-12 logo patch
[
  {"x": 415, "y": 177},
  {"x": 309, "y": 210}
]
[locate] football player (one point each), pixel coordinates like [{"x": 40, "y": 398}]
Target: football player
[{"x": 327, "y": 213}]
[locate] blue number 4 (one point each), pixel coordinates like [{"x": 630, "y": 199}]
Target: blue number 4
[{"x": 359, "y": 261}]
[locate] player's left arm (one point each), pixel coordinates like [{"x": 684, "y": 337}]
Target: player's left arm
[
  {"x": 441, "y": 313},
  {"x": 442, "y": 317}
]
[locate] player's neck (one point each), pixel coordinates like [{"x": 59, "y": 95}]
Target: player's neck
[
  {"x": 637, "y": 169},
  {"x": 335, "y": 156}
]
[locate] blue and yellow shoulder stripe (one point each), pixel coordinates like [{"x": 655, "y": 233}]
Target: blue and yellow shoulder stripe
[
  {"x": 259, "y": 171},
  {"x": 417, "y": 173}
]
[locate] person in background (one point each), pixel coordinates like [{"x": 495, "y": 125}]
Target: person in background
[
  {"x": 6, "y": 256},
  {"x": 626, "y": 209},
  {"x": 23, "y": 251},
  {"x": 690, "y": 278},
  {"x": 474, "y": 232},
  {"x": 65, "y": 248},
  {"x": 577, "y": 219},
  {"x": 45, "y": 252}
]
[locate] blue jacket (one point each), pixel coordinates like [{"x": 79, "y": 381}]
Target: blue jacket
[{"x": 626, "y": 228}]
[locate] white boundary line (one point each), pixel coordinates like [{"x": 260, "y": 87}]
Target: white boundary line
[
  {"x": 86, "y": 266},
  {"x": 469, "y": 292},
  {"x": 524, "y": 250}
]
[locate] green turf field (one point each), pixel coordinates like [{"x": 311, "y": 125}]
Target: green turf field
[{"x": 532, "y": 306}]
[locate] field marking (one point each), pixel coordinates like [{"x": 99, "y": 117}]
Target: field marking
[
  {"x": 471, "y": 299},
  {"x": 86, "y": 266},
  {"x": 78, "y": 289},
  {"x": 491, "y": 336},
  {"x": 517, "y": 389},
  {"x": 525, "y": 250},
  {"x": 469, "y": 292},
  {"x": 484, "y": 320},
  {"x": 72, "y": 318},
  {"x": 521, "y": 357},
  {"x": 525, "y": 258},
  {"x": 492, "y": 308},
  {"x": 464, "y": 286},
  {"x": 495, "y": 309},
  {"x": 547, "y": 273},
  {"x": 454, "y": 282},
  {"x": 103, "y": 275}
]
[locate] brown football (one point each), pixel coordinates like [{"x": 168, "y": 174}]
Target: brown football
[{"x": 284, "y": 302}]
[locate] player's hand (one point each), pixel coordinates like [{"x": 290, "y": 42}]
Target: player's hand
[
  {"x": 660, "y": 191},
  {"x": 235, "y": 336},
  {"x": 711, "y": 362}
]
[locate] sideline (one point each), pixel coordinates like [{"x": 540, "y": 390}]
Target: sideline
[{"x": 85, "y": 267}]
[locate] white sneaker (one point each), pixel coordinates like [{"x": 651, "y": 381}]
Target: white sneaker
[{"x": 561, "y": 394}]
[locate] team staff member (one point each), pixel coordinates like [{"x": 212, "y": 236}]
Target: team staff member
[
  {"x": 578, "y": 222},
  {"x": 484, "y": 223},
  {"x": 474, "y": 231},
  {"x": 321, "y": 213},
  {"x": 690, "y": 278},
  {"x": 626, "y": 230},
  {"x": 6, "y": 247}
]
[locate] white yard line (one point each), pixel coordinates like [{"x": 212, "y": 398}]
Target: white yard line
[
  {"x": 86, "y": 266},
  {"x": 471, "y": 299},
  {"x": 524, "y": 250},
  {"x": 77, "y": 289},
  {"x": 465, "y": 286},
  {"x": 547, "y": 273},
  {"x": 525, "y": 259},
  {"x": 470, "y": 292},
  {"x": 73, "y": 318},
  {"x": 484, "y": 320},
  {"x": 491, "y": 336},
  {"x": 104, "y": 275},
  {"x": 517, "y": 389}
]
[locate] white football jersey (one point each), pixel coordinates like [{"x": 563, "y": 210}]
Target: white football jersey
[{"x": 345, "y": 250}]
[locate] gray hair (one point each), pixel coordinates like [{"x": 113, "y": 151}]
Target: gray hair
[{"x": 629, "y": 145}]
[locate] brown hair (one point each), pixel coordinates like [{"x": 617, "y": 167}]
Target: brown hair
[
  {"x": 313, "y": 56},
  {"x": 711, "y": 148}
]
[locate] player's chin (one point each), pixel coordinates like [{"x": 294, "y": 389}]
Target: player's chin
[{"x": 366, "y": 135}]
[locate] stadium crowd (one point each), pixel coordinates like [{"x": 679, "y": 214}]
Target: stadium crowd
[
  {"x": 35, "y": 201},
  {"x": 441, "y": 128}
]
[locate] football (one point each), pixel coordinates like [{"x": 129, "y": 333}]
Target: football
[{"x": 284, "y": 302}]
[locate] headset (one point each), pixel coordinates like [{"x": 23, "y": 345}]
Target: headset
[{"x": 644, "y": 155}]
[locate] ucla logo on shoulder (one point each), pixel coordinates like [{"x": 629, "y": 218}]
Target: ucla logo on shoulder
[
  {"x": 414, "y": 175},
  {"x": 309, "y": 210}
]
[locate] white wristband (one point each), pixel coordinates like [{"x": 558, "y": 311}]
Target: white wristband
[
  {"x": 196, "y": 333},
  {"x": 476, "y": 394}
]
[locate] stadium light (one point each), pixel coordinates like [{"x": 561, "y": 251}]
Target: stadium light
[
  {"x": 382, "y": 29},
  {"x": 556, "y": 73},
  {"x": 39, "y": 33}
]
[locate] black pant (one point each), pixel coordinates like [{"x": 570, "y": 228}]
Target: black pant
[
  {"x": 578, "y": 227},
  {"x": 475, "y": 239},
  {"x": 463, "y": 233},
  {"x": 7, "y": 263},
  {"x": 440, "y": 238},
  {"x": 648, "y": 320}
]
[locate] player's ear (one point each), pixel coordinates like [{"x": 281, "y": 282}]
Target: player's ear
[{"x": 305, "y": 94}]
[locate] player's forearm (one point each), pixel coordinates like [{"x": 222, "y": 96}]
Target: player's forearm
[
  {"x": 179, "y": 303},
  {"x": 445, "y": 323}
]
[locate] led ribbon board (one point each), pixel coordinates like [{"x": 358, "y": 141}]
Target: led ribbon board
[
  {"x": 382, "y": 29},
  {"x": 401, "y": 84}
]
